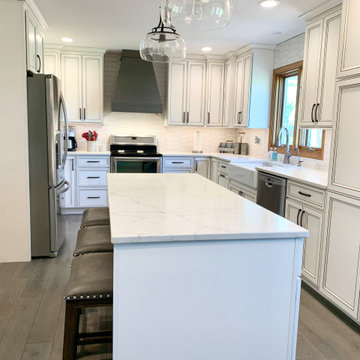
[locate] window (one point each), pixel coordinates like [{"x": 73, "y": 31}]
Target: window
[{"x": 284, "y": 114}]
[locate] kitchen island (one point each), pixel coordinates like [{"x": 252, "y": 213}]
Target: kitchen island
[{"x": 200, "y": 273}]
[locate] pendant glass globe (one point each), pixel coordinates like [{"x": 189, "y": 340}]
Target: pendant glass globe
[
  {"x": 163, "y": 44},
  {"x": 201, "y": 14}
]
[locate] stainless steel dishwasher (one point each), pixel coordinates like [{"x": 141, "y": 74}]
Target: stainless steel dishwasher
[{"x": 271, "y": 193}]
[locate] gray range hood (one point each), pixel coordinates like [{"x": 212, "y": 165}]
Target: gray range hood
[{"x": 136, "y": 89}]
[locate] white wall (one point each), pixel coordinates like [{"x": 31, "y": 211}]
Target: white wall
[
  {"x": 14, "y": 179},
  {"x": 289, "y": 51}
]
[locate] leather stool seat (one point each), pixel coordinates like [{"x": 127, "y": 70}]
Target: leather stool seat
[
  {"x": 90, "y": 285},
  {"x": 95, "y": 217},
  {"x": 93, "y": 239}
]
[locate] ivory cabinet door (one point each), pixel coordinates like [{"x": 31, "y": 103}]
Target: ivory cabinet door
[
  {"x": 312, "y": 220},
  {"x": 71, "y": 85},
  {"x": 246, "y": 90},
  {"x": 215, "y": 94},
  {"x": 311, "y": 72},
  {"x": 202, "y": 166},
  {"x": 349, "y": 54},
  {"x": 344, "y": 170},
  {"x": 228, "y": 113},
  {"x": 329, "y": 66},
  {"x": 31, "y": 44},
  {"x": 52, "y": 63},
  {"x": 239, "y": 92},
  {"x": 92, "y": 88},
  {"x": 196, "y": 93},
  {"x": 341, "y": 278},
  {"x": 177, "y": 93}
]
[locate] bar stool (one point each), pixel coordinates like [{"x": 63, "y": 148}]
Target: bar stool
[
  {"x": 95, "y": 216},
  {"x": 90, "y": 285},
  {"x": 93, "y": 239}
]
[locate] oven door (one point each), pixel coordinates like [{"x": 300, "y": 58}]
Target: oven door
[{"x": 127, "y": 165}]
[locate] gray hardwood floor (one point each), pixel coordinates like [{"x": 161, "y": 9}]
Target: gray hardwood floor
[{"x": 32, "y": 314}]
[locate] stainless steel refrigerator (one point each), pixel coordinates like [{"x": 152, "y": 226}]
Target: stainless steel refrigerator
[{"x": 48, "y": 129}]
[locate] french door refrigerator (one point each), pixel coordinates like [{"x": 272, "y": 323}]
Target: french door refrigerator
[{"x": 48, "y": 133}]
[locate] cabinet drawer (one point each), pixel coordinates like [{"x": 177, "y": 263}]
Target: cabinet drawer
[
  {"x": 307, "y": 194},
  {"x": 91, "y": 162},
  {"x": 92, "y": 198},
  {"x": 223, "y": 167},
  {"x": 92, "y": 178},
  {"x": 179, "y": 163}
]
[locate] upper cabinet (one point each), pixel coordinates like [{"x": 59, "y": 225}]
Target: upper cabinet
[
  {"x": 186, "y": 102},
  {"x": 35, "y": 26},
  {"x": 228, "y": 112},
  {"x": 349, "y": 54},
  {"x": 320, "y": 64},
  {"x": 215, "y": 93},
  {"x": 252, "y": 95},
  {"x": 81, "y": 74}
]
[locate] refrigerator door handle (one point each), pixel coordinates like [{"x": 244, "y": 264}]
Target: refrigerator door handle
[
  {"x": 63, "y": 108},
  {"x": 65, "y": 189}
]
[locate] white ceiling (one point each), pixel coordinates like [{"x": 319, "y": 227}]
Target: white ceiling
[{"x": 121, "y": 24}]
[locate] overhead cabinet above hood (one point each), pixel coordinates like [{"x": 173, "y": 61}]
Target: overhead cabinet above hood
[{"x": 136, "y": 89}]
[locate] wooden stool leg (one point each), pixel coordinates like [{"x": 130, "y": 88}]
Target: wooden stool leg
[{"x": 71, "y": 330}]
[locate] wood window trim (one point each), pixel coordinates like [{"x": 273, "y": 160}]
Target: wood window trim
[{"x": 277, "y": 103}]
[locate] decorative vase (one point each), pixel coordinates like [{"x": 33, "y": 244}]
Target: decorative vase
[{"x": 91, "y": 146}]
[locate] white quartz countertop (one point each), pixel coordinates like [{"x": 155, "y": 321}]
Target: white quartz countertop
[
  {"x": 221, "y": 156},
  {"x": 311, "y": 176},
  {"x": 186, "y": 207},
  {"x": 90, "y": 153}
]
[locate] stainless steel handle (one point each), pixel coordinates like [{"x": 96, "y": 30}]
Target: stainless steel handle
[
  {"x": 297, "y": 218},
  {"x": 92, "y": 161},
  {"x": 312, "y": 112},
  {"x": 208, "y": 117},
  {"x": 84, "y": 114},
  {"x": 188, "y": 117},
  {"x": 222, "y": 166},
  {"x": 222, "y": 175},
  {"x": 67, "y": 187},
  {"x": 93, "y": 177},
  {"x": 304, "y": 194},
  {"x": 93, "y": 197},
  {"x": 72, "y": 165},
  {"x": 177, "y": 162},
  {"x": 268, "y": 184},
  {"x": 63, "y": 107},
  {"x": 316, "y": 112},
  {"x": 196, "y": 166},
  {"x": 301, "y": 219},
  {"x": 184, "y": 118},
  {"x": 80, "y": 114},
  {"x": 241, "y": 193},
  {"x": 241, "y": 117}
]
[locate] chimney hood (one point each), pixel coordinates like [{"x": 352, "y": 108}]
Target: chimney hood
[{"x": 136, "y": 89}]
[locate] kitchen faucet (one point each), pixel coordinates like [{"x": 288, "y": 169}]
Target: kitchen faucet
[{"x": 287, "y": 151}]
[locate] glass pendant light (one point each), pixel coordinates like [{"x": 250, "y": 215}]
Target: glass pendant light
[
  {"x": 163, "y": 44},
  {"x": 201, "y": 14}
]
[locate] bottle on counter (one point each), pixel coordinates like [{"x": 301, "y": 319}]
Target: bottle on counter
[
  {"x": 275, "y": 155},
  {"x": 271, "y": 154}
]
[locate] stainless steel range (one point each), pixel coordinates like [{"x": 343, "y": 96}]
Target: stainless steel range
[{"x": 134, "y": 154}]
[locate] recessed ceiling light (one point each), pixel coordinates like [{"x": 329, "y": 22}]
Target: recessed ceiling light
[
  {"x": 66, "y": 39},
  {"x": 206, "y": 48},
  {"x": 269, "y": 3}
]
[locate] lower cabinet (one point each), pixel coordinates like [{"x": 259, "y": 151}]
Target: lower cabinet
[
  {"x": 341, "y": 277},
  {"x": 178, "y": 165},
  {"x": 87, "y": 176},
  {"x": 214, "y": 170},
  {"x": 242, "y": 190},
  {"x": 223, "y": 180},
  {"x": 312, "y": 220}
]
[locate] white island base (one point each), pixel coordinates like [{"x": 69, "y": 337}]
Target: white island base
[{"x": 230, "y": 298}]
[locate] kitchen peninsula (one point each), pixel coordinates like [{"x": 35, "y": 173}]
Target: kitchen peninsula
[{"x": 200, "y": 273}]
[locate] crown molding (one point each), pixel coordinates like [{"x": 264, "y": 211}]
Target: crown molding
[
  {"x": 36, "y": 12},
  {"x": 322, "y": 8}
]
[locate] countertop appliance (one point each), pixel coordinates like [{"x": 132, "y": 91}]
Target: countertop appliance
[
  {"x": 234, "y": 148},
  {"x": 271, "y": 193},
  {"x": 48, "y": 131},
  {"x": 72, "y": 144},
  {"x": 134, "y": 154}
]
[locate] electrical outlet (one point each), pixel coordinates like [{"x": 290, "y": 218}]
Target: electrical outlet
[{"x": 257, "y": 140}]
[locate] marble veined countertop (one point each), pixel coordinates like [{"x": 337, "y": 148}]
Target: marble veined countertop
[{"x": 187, "y": 207}]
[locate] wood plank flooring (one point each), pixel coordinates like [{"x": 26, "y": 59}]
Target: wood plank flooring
[{"x": 32, "y": 314}]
